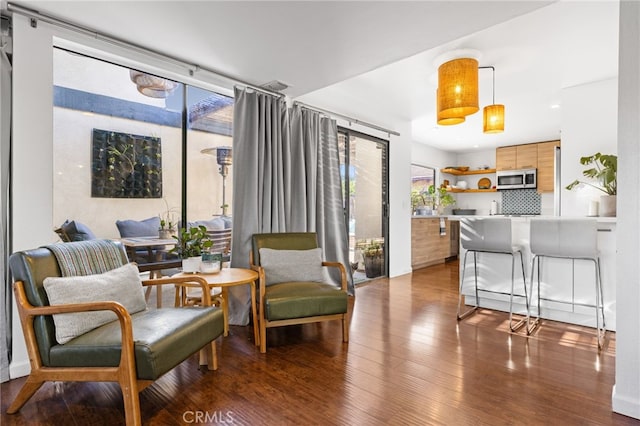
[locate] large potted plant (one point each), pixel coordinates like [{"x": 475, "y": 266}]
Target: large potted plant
[
  {"x": 605, "y": 172},
  {"x": 372, "y": 256},
  {"x": 190, "y": 245}
]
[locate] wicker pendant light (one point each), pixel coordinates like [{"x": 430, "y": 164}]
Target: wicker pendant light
[
  {"x": 493, "y": 115},
  {"x": 457, "y": 89},
  {"x": 446, "y": 121},
  {"x": 493, "y": 121},
  {"x": 151, "y": 85}
]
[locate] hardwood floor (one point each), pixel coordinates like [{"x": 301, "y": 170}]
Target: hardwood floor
[{"x": 408, "y": 362}]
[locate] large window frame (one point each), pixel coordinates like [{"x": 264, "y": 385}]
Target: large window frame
[{"x": 190, "y": 186}]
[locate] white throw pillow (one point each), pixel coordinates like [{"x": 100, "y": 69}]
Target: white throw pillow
[
  {"x": 121, "y": 285},
  {"x": 293, "y": 265}
]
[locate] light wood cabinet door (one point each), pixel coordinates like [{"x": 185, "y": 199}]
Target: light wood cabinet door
[
  {"x": 546, "y": 164},
  {"x": 527, "y": 156},
  {"x": 428, "y": 247},
  {"x": 506, "y": 158}
]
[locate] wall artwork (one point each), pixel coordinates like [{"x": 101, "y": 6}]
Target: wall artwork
[{"x": 125, "y": 165}]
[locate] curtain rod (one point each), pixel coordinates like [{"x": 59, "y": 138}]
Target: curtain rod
[
  {"x": 35, "y": 16},
  {"x": 349, "y": 119},
  {"x": 193, "y": 68}
]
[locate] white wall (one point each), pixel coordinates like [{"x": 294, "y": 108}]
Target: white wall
[
  {"x": 32, "y": 154},
  {"x": 626, "y": 392},
  {"x": 589, "y": 125}
]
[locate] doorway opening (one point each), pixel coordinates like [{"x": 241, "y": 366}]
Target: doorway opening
[{"x": 364, "y": 169}]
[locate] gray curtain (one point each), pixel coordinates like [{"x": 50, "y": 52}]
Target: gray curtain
[
  {"x": 260, "y": 145},
  {"x": 5, "y": 144},
  {"x": 288, "y": 180},
  {"x": 317, "y": 186}
]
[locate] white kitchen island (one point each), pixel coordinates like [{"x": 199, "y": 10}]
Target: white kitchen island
[{"x": 571, "y": 281}]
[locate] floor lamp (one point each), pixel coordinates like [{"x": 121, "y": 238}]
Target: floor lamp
[{"x": 223, "y": 158}]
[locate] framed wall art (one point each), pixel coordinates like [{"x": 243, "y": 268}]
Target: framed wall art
[{"x": 124, "y": 165}]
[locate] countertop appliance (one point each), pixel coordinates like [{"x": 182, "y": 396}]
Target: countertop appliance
[{"x": 516, "y": 179}]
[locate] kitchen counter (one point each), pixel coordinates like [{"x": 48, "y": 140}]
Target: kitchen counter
[
  {"x": 430, "y": 243},
  {"x": 599, "y": 219}
]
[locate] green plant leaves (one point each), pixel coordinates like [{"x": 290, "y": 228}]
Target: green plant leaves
[{"x": 605, "y": 172}]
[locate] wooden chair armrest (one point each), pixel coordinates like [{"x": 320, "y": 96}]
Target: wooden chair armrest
[
  {"x": 193, "y": 281},
  {"x": 343, "y": 272},
  {"x": 28, "y": 311},
  {"x": 69, "y": 308}
]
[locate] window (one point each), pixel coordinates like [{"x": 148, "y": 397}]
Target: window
[
  {"x": 121, "y": 152},
  {"x": 421, "y": 178}
]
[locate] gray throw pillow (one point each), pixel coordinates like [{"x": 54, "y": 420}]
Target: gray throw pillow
[
  {"x": 121, "y": 285},
  {"x": 139, "y": 228},
  {"x": 76, "y": 231},
  {"x": 211, "y": 225},
  {"x": 293, "y": 265}
]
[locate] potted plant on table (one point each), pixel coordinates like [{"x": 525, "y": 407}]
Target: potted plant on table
[
  {"x": 605, "y": 171},
  {"x": 167, "y": 223},
  {"x": 191, "y": 244}
]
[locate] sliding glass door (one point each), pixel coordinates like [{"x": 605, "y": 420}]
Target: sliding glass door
[{"x": 364, "y": 166}]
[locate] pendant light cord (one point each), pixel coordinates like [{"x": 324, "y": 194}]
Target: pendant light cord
[{"x": 493, "y": 82}]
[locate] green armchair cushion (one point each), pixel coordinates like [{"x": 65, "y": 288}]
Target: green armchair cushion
[
  {"x": 303, "y": 299},
  {"x": 163, "y": 338},
  {"x": 122, "y": 285},
  {"x": 292, "y": 265}
]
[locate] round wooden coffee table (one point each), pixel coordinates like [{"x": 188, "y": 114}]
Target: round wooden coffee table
[{"x": 228, "y": 277}]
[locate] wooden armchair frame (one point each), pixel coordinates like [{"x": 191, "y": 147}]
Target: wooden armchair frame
[
  {"x": 265, "y": 323},
  {"x": 124, "y": 373}
]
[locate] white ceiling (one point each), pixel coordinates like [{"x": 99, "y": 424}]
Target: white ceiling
[{"x": 377, "y": 61}]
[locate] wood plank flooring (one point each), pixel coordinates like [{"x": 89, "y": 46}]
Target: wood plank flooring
[{"x": 408, "y": 362}]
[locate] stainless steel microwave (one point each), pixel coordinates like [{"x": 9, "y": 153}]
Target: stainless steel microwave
[{"x": 516, "y": 179}]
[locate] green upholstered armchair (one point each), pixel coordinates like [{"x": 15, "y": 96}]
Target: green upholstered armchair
[
  {"x": 134, "y": 349},
  {"x": 293, "y": 285}
]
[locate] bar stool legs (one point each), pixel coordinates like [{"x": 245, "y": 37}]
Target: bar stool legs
[
  {"x": 523, "y": 321},
  {"x": 464, "y": 268},
  {"x": 513, "y": 327},
  {"x": 532, "y": 324}
]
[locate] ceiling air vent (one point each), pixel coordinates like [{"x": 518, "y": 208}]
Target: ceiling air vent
[{"x": 274, "y": 86}]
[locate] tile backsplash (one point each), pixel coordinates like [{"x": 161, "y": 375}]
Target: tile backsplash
[{"x": 521, "y": 201}]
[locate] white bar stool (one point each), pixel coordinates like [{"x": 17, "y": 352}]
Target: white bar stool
[
  {"x": 575, "y": 239},
  {"x": 482, "y": 235}
]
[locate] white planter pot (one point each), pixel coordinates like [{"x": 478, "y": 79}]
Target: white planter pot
[
  {"x": 191, "y": 265},
  {"x": 608, "y": 205},
  {"x": 165, "y": 234}
]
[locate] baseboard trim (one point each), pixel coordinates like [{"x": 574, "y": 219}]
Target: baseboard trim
[
  {"x": 19, "y": 369},
  {"x": 624, "y": 405}
]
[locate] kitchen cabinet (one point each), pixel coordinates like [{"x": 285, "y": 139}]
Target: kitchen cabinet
[
  {"x": 517, "y": 157},
  {"x": 546, "y": 165},
  {"x": 527, "y": 156},
  {"x": 506, "y": 158},
  {"x": 428, "y": 247}
]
